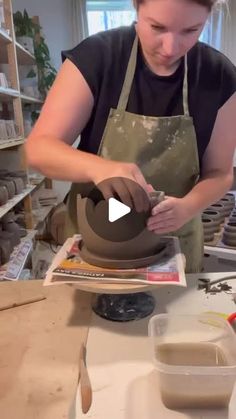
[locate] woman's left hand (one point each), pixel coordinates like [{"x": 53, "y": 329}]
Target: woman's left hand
[{"x": 169, "y": 215}]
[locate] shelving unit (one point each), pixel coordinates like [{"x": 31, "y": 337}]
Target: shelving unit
[
  {"x": 29, "y": 99},
  {"x": 4, "y": 37},
  {"x": 11, "y": 203},
  {"x": 14, "y": 142},
  {"x": 12, "y": 102},
  {"x": 7, "y": 94},
  {"x": 24, "y": 57},
  {"x": 13, "y": 269},
  {"x": 41, "y": 215}
]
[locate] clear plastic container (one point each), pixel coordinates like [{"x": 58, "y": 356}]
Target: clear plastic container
[{"x": 195, "y": 356}]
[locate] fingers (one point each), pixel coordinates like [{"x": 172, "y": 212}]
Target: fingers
[
  {"x": 116, "y": 188},
  {"x": 163, "y": 207},
  {"x": 128, "y": 192},
  {"x": 150, "y": 188},
  {"x": 126, "y": 182},
  {"x": 139, "y": 197},
  {"x": 163, "y": 227},
  {"x": 120, "y": 188}
]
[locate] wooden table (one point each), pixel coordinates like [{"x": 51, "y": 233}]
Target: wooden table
[
  {"x": 39, "y": 349},
  {"x": 40, "y": 343}
]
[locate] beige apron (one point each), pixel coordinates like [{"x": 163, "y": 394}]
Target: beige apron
[{"x": 164, "y": 148}]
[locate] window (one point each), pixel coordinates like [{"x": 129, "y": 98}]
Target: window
[
  {"x": 212, "y": 33},
  {"x": 108, "y": 14}
]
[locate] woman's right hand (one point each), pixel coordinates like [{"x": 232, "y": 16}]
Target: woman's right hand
[{"x": 125, "y": 180}]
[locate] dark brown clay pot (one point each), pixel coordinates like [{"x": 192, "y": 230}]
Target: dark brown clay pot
[
  {"x": 208, "y": 228},
  {"x": 214, "y": 216},
  {"x": 219, "y": 208},
  {"x": 230, "y": 227},
  {"x": 18, "y": 183},
  {"x": 229, "y": 234},
  {"x": 3, "y": 195},
  {"x": 11, "y": 236},
  {"x": 230, "y": 196},
  {"x": 13, "y": 227},
  {"x": 9, "y": 184},
  {"x": 5, "y": 250},
  {"x": 228, "y": 205},
  {"x": 145, "y": 244},
  {"x": 229, "y": 239},
  {"x": 232, "y": 218},
  {"x": 16, "y": 173}
]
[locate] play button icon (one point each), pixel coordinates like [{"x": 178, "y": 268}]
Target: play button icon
[
  {"x": 117, "y": 210},
  {"x": 111, "y": 215}
]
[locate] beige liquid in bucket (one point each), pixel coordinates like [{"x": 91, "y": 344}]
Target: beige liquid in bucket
[
  {"x": 194, "y": 354},
  {"x": 173, "y": 389}
]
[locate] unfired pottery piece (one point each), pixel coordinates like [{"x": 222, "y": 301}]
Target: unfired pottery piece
[
  {"x": 228, "y": 204},
  {"x": 3, "y": 195},
  {"x": 219, "y": 207},
  {"x": 117, "y": 248},
  {"x": 208, "y": 228},
  {"x": 230, "y": 196},
  {"x": 229, "y": 234},
  {"x": 95, "y": 260},
  {"x": 9, "y": 184},
  {"x": 214, "y": 216}
]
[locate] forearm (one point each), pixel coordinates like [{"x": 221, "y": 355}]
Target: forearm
[
  {"x": 208, "y": 190},
  {"x": 58, "y": 160}
]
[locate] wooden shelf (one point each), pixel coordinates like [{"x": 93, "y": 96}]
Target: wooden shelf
[
  {"x": 36, "y": 180},
  {"x": 13, "y": 269},
  {"x": 29, "y": 99},
  {"x": 41, "y": 214},
  {"x": 24, "y": 57},
  {"x": 37, "y": 184},
  {"x": 4, "y": 41},
  {"x": 8, "y": 94},
  {"x": 4, "y": 38},
  {"x": 13, "y": 101},
  {"x": 4, "y": 209},
  {"x": 15, "y": 142}
]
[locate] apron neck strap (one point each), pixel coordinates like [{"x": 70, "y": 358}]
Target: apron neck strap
[
  {"x": 124, "y": 96},
  {"x": 185, "y": 87},
  {"x": 129, "y": 76}
]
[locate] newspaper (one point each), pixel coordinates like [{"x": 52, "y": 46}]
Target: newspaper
[{"x": 69, "y": 268}]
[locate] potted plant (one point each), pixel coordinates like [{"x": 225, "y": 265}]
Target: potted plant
[
  {"x": 24, "y": 30},
  {"x": 25, "y": 27},
  {"x": 46, "y": 72}
]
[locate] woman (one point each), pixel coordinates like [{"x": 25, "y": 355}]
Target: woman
[{"x": 152, "y": 105}]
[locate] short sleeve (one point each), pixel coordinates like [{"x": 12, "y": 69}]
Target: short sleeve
[
  {"x": 228, "y": 84},
  {"x": 88, "y": 58}
]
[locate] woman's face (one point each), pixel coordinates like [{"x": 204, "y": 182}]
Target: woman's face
[{"x": 168, "y": 29}]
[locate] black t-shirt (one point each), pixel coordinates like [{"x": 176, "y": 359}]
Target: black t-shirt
[{"x": 102, "y": 59}]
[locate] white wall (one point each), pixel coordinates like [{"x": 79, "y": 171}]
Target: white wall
[
  {"x": 54, "y": 16},
  {"x": 55, "y": 19}
]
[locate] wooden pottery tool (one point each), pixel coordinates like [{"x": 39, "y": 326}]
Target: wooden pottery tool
[{"x": 85, "y": 385}]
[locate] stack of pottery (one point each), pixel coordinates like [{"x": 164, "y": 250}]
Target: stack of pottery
[
  {"x": 10, "y": 234},
  {"x": 11, "y": 184},
  {"x": 211, "y": 224},
  {"x": 229, "y": 233},
  {"x": 215, "y": 215}
]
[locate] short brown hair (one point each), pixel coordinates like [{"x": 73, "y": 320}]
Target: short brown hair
[{"x": 207, "y": 3}]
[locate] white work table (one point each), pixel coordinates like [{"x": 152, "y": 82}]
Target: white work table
[
  {"x": 40, "y": 345},
  {"x": 120, "y": 364}
]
